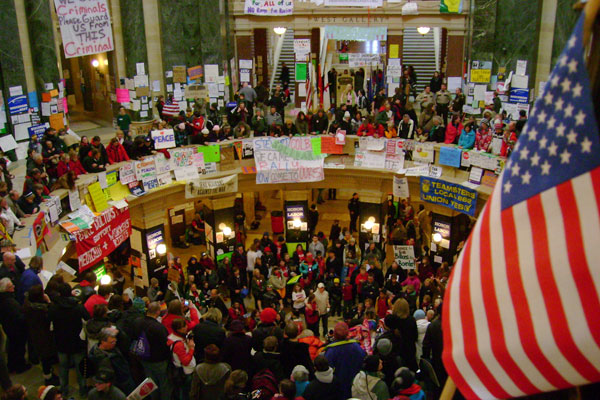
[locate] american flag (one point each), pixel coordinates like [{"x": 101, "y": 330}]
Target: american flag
[
  {"x": 521, "y": 310},
  {"x": 171, "y": 108}
]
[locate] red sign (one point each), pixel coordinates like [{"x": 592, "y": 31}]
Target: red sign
[
  {"x": 40, "y": 229},
  {"x": 109, "y": 230}
]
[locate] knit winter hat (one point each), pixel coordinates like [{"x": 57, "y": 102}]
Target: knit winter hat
[
  {"x": 299, "y": 373},
  {"x": 268, "y": 315},
  {"x": 419, "y": 314},
  {"x": 384, "y": 346},
  {"x": 47, "y": 392}
]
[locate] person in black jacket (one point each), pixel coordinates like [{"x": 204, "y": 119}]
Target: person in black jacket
[
  {"x": 325, "y": 386},
  {"x": 269, "y": 358},
  {"x": 13, "y": 323},
  {"x": 93, "y": 162},
  {"x": 237, "y": 347},
  {"x": 266, "y": 327},
  {"x": 407, "y": 327},
  {"x": 66, "y": 315},
  {"x": 354, "y": 209},
  {"x": 320, "y": 123},
  {"x": 155, "y": 366},
  {"x": 293, "y": 352},
  {"x": 209, "y": 331},
  {"x": 433, "y": 345}
]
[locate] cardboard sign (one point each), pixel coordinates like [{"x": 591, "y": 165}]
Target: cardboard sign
[
  {"x": 195, "y": 72},
  {"x": 329, "y": 145},
  {"x": 84, "y": 27},
  {"x": 179, "y": 74}
]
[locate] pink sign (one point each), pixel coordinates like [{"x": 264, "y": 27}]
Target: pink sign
[{"x": 123, "y": 96}]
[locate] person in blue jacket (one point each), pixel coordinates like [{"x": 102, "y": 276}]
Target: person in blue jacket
[
  {"x": 30, "y": 278},
  {"x": 345, "y": 357},
  {"x": 467, "y": 138}
]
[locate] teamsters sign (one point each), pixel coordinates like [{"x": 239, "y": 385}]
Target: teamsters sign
[
  {"x": 84, "y": 26},
  {"x": 451, "y": 195}
]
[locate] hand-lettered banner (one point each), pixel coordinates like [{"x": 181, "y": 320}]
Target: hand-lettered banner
[
  {"x": 163, "y": 139},
  {"x": 211, "y": 187},
  {"x": 84, "y": 27},
  {"x": 109, "y": 230},
  {"x": 268, "y": 7},
  {"x": 451, "y": 195},
  {"x": 286, "y": 160}
]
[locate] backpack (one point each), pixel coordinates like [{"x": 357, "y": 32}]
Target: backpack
[
  {"x": 140, "y": 347},
  {"x": 175, "y": 374},
  {"x": 266, "y": 382}
]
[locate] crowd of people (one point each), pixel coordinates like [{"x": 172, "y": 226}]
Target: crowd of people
[{"x": 255, "y": 325}]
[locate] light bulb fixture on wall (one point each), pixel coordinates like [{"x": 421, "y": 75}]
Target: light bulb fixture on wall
[
  {"x": 437, "y": 237},
  {"x": 297, "y": 223},
  {"x": 279, "y": 30},
  {"x": 161, "y": 249},
  {"x": 227, "y": 231},
  {"x": 95, "y": 63},
  {"x": 423, "y": 30},
  {"x": 369, "y": 223}
]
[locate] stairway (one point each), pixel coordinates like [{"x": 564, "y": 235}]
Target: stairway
[
  {"x": 287, "y": 57},
  {"x": 419, "y": 51}
]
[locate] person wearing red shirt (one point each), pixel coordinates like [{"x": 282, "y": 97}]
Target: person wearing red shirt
[
  {"x": 360, "y": 279},
  {"x": 311, "y": 314},
  {"x": 347, "y": 296},
  {"x": 102, "y": 297},
  {"x": 183, "y": 356},
  {"x": 74, "y": 163},
  {"x": 116, "y": 152},
  {"x": 178, "y": 310},
  {"x": 366, "y": 128},
  {"x": 453, "y": 130}
]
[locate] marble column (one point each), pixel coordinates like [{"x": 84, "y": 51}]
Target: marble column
[
  {"x": 117, "y": 28},
  {"x": 483, "y": 26},
  {"x": 43, "y": 50},
  {"x": 153, "y": 42},
  {"x": 25, "y": 47},
  {"x": 134, "y": 34},
  {"x": 181, "y": 33},
  {"x": 214, "y": 21},
  {"x": 11, "y": 56},
  {"x": 546, "y": 37}
]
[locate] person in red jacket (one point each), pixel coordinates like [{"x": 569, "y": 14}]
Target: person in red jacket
[
  {"x": 311, "y": 314},
  {"x": 347, "y": 296},
  {"x": 366, "y": 128},
  {"x": 116, "y": 152},
  {"x": 453, "y": 130},
  {"x": 179, "y": 310},
  {"x": 75, "y": 164},
  {"x": 63, "y": 165},
  {"x": 183, "y": 356},
  {"x": 379, "y": 131},
  {"x": 104, "y": 292}
]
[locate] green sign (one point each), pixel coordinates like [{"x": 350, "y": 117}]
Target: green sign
[
  {"x": 100, "y": 271},
  {"x": 343, "y": 57},
  {"x": 300, "y": 72}
]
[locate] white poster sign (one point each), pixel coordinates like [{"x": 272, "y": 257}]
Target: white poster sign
[
  {"x": 405, "y": 256},
  {"x": 84, "y": 27},
  {"x": 354, "y": 3},
  {"x": 262, "y": 7},
  {"x": 164, "y": 139},
  {"x": 423, "y": 152},
  {"x": 401, "y": 187},
  {"x": 127, "y": 173}
]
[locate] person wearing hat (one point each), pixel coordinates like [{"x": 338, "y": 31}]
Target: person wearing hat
[
  {"x": 103, "y": 387},
  {"x": 237, "y": 347},
  {"x": 266, "y": 327},
  {"x": 300, "y": 377},
  {"x": 404, "y": 385},
  {"x": 266, "y": 241},
  {"x": 49, "y": 392},
  {"x": 269, "y": 259},
  {"x": 422, "y": 324},
  {"x": 345, "y": 356},
  {"x": 367, "y": 385},
  {"x": 106, "y": 354}
]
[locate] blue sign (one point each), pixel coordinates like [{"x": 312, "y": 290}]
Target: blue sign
[
  {"x": 448, "y": 194},
  {"x": 17, "y": 104},
  {"x": 33, "y": 100},
  {"x": 519, "y": 96},
  {"x": 37, "y": 130},
  {"x": 450, "y": 156}
]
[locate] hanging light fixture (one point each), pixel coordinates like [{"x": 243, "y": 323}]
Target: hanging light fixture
[
  {"x": 423, "y": 30},
  {"x": 280, "y": 30}
]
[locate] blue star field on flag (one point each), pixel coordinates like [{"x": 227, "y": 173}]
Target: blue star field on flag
[{"x": 560, "y": 140}]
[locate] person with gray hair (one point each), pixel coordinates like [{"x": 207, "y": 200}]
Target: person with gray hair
[
  {"x": 105, "y": 354},
  {"x": 208, "y": 331},
  {"x": 9, "y": 268},
  {"x": 14, "y": 325}
]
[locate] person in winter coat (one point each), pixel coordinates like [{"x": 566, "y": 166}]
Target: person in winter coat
[
  {"x": 483, "y": 137},
  {"x": 407, "y": 327},
  {"x": 466, "y": 140},
  {"x": 30, "y": 277},
  {"x": 116, "y": 152},
  {"x": 14, "y": 325},
  {"x": 294, "y": 352},
  {"x": 269, "y": 358},
  {"x": 183, "y": 358},
  {"x": 266, "y": 327},
  {"x": 40, "y": 336},
  {"x": 367, "y": 385},
  {"x": 406, "y": 127},
  {"x": 66, "y": 315},
  {"x": 325, "y": 386},
  {"x": 301, "y": 123},
  {"x": 208, "y": 332},
  {"x": 422, "y": 324},
  {"x": 437, "y": 133},
  {"x": 405, "y": 387},
  {"x": 208, "y": 378},
  {"x": 453, "y": 130},
  {"x": 433, "y": 345},
  {"x": 345, "y": 356},
  {"x": 237, "y": 347},
  {"x": 106, "y": 355}
]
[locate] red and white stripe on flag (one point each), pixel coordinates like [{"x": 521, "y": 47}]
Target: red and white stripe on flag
[
  {"x": 171, "y": 109},
  {"x": 520, "y": 314}
]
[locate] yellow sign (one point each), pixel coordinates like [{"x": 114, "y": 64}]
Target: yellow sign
[
  {"x": 394, "y": 50},
  {"x": 98, "y": 197},
  {"x": 118, "y": 191},
  {"x": 481, "y": 75}
]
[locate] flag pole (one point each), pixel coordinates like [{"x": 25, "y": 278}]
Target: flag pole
[{"x": 449, "y": 390}]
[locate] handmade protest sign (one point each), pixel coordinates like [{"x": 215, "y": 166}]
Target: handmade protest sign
[
  {"x": 286, "y": 160},
  {"x": 163, "y": 139},
  {"x": 405, "y": 256},
  {"x": 209, "y": 187},
  {"x": 84, "y": 27}
]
